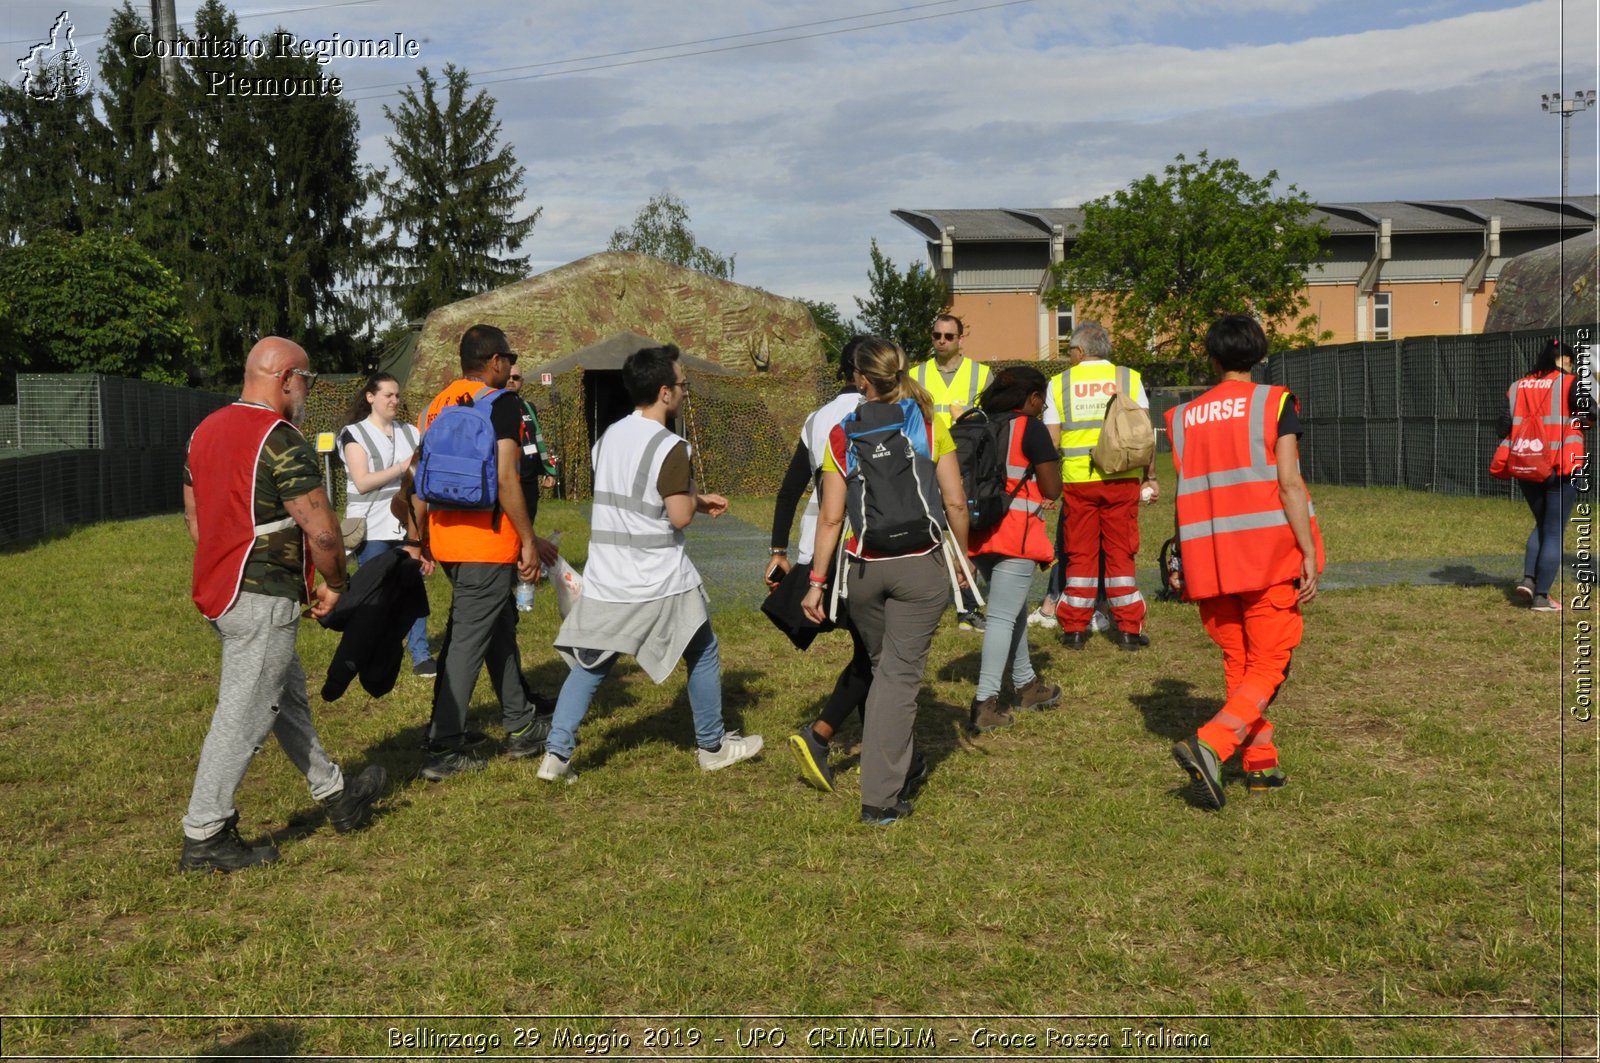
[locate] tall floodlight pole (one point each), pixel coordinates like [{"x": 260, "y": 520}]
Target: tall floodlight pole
[{"x": 1555, "y": 103}]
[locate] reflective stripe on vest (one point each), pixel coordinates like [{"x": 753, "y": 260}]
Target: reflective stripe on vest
[
  {"x": 635, "y": 503},
  {"x": 1021, "y": 531},
  {"x": 1079, "y": 435},
  {"x": 1560, "y": 434},
  {"x": 1232, "y": 529},
  {"x": 927, "y": 374}
]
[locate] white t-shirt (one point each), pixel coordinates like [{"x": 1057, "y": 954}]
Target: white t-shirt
[{"x": 814, "y": 434}]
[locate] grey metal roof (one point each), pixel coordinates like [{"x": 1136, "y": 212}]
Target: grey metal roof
[{"x": 1405, "y": 216}]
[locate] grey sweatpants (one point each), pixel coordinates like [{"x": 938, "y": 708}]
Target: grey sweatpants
[
  {"x": 895, "y": 604},
  {"x": 482, "y": 630},
  {"x": 263, "y": 689}
]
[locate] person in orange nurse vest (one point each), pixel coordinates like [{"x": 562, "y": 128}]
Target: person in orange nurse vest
[{"x": 1250, "y": 550}]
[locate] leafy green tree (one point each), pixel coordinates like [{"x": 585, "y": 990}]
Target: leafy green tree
[
  {"x": 50, "y": 156},
  {"x": 661, "y": 230},
  {"x": 450, "y": 212},
  {"x": 902, "y": 306},
  {"x": 95, "y": 303},
  {"x": 1160, "y": 260},
  {"x": 836, "y": 328}
]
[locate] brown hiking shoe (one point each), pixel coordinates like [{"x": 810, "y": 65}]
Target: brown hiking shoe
[
  {"x": 1038, "y": 695},
  {"x": 988, "y": 716}
]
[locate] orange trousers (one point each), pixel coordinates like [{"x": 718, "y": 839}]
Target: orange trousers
[{"x": 1258, "y": 632}]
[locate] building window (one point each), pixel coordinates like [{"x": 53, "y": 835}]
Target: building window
[
  {"x": 1380, "y": 316},
  {"x": 1064, "y": 323}
]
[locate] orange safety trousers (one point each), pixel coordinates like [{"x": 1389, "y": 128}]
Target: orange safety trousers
[{"x": 1258, "y": 631}]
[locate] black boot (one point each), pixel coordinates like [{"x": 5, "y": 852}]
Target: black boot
[
  {"x": 351, "y": 808},
  {"x": 224, "y": 851}
]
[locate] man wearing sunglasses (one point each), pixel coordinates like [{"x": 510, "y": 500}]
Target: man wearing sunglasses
[
  {"x": 955, "y": 382},
  {"x": 262, "y": 526},
  {"x": 483, "y": 552}
]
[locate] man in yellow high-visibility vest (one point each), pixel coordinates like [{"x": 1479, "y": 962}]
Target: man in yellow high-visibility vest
[
  {"x": 1100, "y": 513},
  {"x": 955, "y": 382}
]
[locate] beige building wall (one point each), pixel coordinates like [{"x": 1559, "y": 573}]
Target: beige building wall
[
  {"x": 1417, "y": 308},
  {"x": 999, "y": 325}
]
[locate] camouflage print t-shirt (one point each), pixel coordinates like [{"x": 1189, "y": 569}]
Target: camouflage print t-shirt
[{"x": 287, "y": 469}]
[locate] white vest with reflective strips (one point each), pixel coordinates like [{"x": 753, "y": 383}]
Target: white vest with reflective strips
[
  {"x": 382, "y": 525},
  {"x": 635, "y": 554},
  {"x": 969, "y": 381},
  {"x": 814, "y": 435},
  {"x": 1080, "y": 395}
]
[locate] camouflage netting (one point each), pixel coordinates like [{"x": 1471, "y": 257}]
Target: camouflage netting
[
  {"x": 583, "y": 302},
  {"x": 1549, "y": 288}
]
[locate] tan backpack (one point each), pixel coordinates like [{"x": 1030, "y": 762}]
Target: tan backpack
[{"x": 1128, "y": 440}]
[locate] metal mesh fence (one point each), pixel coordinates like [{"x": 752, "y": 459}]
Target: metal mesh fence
[
  {"x": 8, "y": 428},
  {"x": 1417, "y": 413},
  {"x": 88, "y": 448}
]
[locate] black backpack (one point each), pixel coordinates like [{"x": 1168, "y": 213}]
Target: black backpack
[
  {"x": 892, "y": 496},
  {"x": 981, "y": 443}
]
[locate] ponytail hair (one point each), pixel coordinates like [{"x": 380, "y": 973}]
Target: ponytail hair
[
  {"x": 1549, "y": 354},
  {"x": 884, "y": 365}
]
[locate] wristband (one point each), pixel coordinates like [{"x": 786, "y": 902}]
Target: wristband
[
  {"x": 816, "y": 580},
  {"x": 340, "y": 589},
  {"x": 778, "y": 551},
  {"x": 411, "y": 542}
]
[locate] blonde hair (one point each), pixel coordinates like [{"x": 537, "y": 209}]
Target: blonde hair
[{"x": 884, "y": 365}]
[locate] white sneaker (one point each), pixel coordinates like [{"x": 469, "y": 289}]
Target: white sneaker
[
  {"x": 1038, "y": 619},
  {"x": 735, "y": 747},
  {"x": 553, "y": 769},
  {"x": 1099, "y": 622}
]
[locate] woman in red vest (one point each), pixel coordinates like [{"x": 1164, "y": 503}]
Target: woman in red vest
[
  {"x": 1556, "y": 398},
  {"x": 1251, "y": 551},
  {"x": 1010, "y": 552}
]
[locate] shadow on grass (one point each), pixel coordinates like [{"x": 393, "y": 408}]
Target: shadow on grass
[
  {"x": 672, "y": 723},
  {"x": 276, "y": 1040},
  {"x": 1469, "y": 576},
  {"x": 1171, "y": 709}
]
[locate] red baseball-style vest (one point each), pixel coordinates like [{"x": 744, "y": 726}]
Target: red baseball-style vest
[
  {"x": 223, "y": 453},
  {"x": 1232, "y": 530},
  {"x": 1021, "y": 532}
]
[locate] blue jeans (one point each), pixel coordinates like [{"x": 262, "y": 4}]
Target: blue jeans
[
  {"x": 1007, "y": 632},
  {"x": 1551, "y": 503},
  {"x": 705, "y": 696},
  {"x": 417, "y": 637}
]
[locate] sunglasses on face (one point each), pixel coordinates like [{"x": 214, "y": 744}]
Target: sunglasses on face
[{"x": 946, "y": 335}]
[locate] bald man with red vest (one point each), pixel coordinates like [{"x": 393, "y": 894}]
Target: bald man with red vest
[{"x": 1250, "y": 550}]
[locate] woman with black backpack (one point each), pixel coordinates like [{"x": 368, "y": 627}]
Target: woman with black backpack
[
  {"x": 1009, "y": 551},
  {"x": 893, "y": 468}
]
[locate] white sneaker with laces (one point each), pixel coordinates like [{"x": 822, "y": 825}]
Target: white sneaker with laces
[
  {"x": 735, "y": 747},
  {"x": 553, "y": 769}
]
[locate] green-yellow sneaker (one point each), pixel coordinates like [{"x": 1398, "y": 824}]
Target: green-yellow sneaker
[
  {"x": 1265, "y": 781},
  {"x": 1205, "y": 772}
]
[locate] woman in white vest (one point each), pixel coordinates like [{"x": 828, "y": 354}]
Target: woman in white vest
[{"x": 377, "y": 451}]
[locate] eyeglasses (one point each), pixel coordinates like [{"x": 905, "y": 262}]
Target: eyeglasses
[
  {"x": 946, "y": 335},
  {"x": 510, "y": 358},
  {"x": 516, "y": 378},
  {"x": 684, "y": 384},
  {"x": 311, "y": 378}
]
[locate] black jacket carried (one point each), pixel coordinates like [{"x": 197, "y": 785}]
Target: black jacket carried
[{"x": 385, "y": 597}]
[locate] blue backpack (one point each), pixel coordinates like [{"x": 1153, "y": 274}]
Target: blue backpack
[{"x": 459, "y": 466}]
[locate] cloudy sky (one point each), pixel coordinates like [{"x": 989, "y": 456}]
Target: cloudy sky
[{"x": 792, "y": 130}]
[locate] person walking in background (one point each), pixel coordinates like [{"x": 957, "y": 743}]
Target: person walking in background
[
  {"x": 892, "y": 465},
  {"x": 953, "y": 382},
  {"x": 483, "y": 552},
  {"x": 1250, "y": 550},
  {"x": 1008, "y": 553},
  {"x": 1550, "y": 405},
  {"x": 810, "y": 744},
  {"x": 642, "y": 596},
  {"x": 1100, "y": 513},
  {"x": 261, "y": 522},
  {"x": 377, "y": 450},
  {"x": 537, "y": 469}
]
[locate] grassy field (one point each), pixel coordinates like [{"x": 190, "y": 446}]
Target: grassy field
[{"x": 1425, "y": 885}]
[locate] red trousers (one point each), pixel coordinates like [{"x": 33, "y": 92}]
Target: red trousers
[
  {"x": 1102, "y": 518},
  {"x": 1258, "y": 632}
]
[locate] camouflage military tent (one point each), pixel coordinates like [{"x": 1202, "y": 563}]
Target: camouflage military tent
[
  {"x": 1549, "y": 288},
  {"x": 604, "y": 398}
]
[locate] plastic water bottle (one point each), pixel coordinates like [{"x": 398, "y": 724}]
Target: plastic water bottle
[
  {"x": 1147, "y": 494},
  {"x": 524, "y": 595}
]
